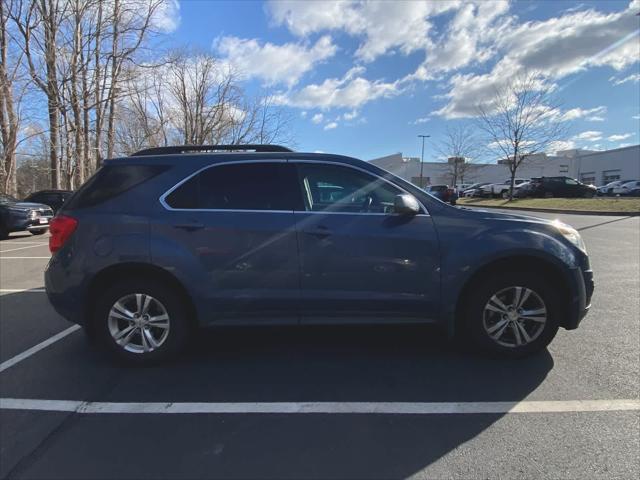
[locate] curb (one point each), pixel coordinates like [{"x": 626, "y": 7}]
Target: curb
[{"x": 557, "y": 210}]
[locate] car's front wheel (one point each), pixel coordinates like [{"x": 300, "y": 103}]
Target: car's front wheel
[
  {"x": 141, "y": 321},
  {"x": 512, "y": 314}
]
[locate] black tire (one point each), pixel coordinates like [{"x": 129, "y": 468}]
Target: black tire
[
  {"x": 588, "y": 194},
  {"x": 38, "y": 232},
  {"x": 473, "y": 315},
  {"x": 4, "y": 232},
  {"x": 179, "y": 330},
  {"x": 548, "y": 195}
]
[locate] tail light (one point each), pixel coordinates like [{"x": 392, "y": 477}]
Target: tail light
[{"x": 61, "y": 229}]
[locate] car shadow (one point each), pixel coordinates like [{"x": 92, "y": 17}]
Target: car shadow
[{"x": 276, "y": 364}]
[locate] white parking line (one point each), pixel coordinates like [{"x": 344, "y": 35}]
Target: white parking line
[
  {"x": 19, "y": 258},
  {"x": 17, "y": 242},
  {"x": 36, "y": 348},
  {"x": 393, "y": 408},
  {"x": 22, "y": 290},
  {"x": 23, "y": 248}
]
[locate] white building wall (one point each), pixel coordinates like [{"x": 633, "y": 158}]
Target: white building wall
[{"x": 586, "y": 166}]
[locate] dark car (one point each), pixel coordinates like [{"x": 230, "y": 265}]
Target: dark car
[
  {"x": 170, "y": 239},
  {"x": 475, "y": 190},
  {"x": 17, "y": 216},
  {"x": 443, "y": 192},
  {"x": 565, "y": 187},
  {"x": 54, "y": 198}
]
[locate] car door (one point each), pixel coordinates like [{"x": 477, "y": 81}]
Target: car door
[
  {"x": 358, "y": 260},
  {"x": 236, "y": 221}
]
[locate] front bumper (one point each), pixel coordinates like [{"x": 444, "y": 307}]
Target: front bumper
[
  {"x": 31, "y": 225},
  {"x": 581, "y": 300}
]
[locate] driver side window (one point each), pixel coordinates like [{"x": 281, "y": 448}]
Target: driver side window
[{"x": 335, "y": 188}]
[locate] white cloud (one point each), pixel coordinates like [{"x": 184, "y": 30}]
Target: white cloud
[
  {"x": 589, "y": 136},
  {"x": 317, "y": 118},
  {"x": 625, "y": 144},
  {"x": 591, "y": 114},
  {"x": 167, "y": 16},
  {"x": 634, "y": 78},
  {"x": 330, "y": 126},
  {"x": 272, "y": 63},
  {"x": 351, "y": 91},
  {"x": 561, "y": 145},
  {"x": 622, "y": 136},
  {"x": 636, "y": 117},
  {"x": 421, "y": 120},
  {"x": 350, "y": 115},
  {"x": 303, "y": 114},
  {"x": 383, "y": 26},
  {"x": 555, "y": 48}
]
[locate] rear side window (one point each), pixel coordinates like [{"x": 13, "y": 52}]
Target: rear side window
[
  {"x": 110, "y": 181},
  {"x": 241, "y": 186}
]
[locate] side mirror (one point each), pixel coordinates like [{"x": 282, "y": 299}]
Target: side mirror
[{"x": 406, "y": 204}]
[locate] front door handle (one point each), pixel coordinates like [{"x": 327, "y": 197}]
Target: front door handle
[
  {"x": 319, "y": 232},
  {"x": 189, "y": 227}
]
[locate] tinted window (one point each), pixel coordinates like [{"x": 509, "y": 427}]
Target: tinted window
[
  {"x": 344, "y": 189},
  {"x": 241, "y": 186},
  {"x": 110, "y": 181},
  {"x": 570, "y": 181}
]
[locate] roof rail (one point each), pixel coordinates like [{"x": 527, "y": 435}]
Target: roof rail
[{"x": 209, "y": 148}]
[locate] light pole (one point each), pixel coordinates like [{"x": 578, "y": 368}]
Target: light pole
[{"x": 422, "y": 158}]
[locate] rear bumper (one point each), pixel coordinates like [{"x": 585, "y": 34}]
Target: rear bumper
[{"x": 64, "y": 294}]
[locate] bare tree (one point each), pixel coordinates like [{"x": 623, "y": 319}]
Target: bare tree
[
  {"x": 520, "y": 120},
  {"x": 460, "y": 146},
  {"x": 9, "y": 118}
]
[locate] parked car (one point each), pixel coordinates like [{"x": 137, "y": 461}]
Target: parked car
[
  {"x": 53, "y": 198},
  {"x": 159, "y": 243},
  {"x": 443, "y": 192},
  {"x": 461, "y": 187},
  {"x": 17, "y": 216},
  {"x": 523, "y": 190},
  {"x": 609, "y": 187},
  {"x": 498, "y": 189},
  {"x": 475, "y": 190},
  {"x": 561, "y": 187},
  {"x": 627, "y": 187}
]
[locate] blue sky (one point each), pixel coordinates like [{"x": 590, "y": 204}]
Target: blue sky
[{"x": 365, "y": 78}]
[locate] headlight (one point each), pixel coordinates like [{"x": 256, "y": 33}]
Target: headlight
[
  {"x": 570, "y": 234},
  {"x": 32, "y": 215}
]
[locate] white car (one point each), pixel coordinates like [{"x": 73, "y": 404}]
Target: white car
[
  {"x": 498, "y": 189},
  {"x": 626, "y": 187},
  {"x": 461, "y": 187},
  {"x": 609, "y": 188}
]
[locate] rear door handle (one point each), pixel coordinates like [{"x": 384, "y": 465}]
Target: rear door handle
[
  {"x": 319, "y": 232},
  {"x": 189, "y": 227}
]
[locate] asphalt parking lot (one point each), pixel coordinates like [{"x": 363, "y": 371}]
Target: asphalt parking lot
[{"x": 365, "y": 402}]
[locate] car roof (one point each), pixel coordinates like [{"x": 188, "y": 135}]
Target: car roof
[{"x": 202, "y": 159}]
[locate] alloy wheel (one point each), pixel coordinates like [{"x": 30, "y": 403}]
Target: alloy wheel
[
  {"x": 138, "y": 323},
  {"x": 514, "y": 316}
]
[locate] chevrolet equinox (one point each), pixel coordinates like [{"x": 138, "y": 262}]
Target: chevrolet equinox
[{"x": 170, "y": 239}]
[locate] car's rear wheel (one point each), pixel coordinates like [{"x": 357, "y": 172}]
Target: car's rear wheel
[
  {"x": 588, "y": 194},
  {"x": 512, "y": 314},
  {"x": 141, "y": 321},
  {"x": 38, "y": 232},
  {"x": 4, "y": 231}
]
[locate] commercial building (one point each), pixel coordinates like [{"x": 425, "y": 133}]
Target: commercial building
[{"x": 591, "y": 167}]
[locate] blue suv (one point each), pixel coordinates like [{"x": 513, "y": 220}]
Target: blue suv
[{"x": 170, "y": 239}]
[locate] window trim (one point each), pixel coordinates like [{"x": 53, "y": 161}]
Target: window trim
[{"x": 162, "y": 199}]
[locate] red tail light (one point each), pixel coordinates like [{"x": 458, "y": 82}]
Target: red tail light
[{"x": 61, "y": 229}]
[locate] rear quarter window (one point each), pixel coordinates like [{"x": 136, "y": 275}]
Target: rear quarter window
[{"x": 110, "y": 181}]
